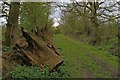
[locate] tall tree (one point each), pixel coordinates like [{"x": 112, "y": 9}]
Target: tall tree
[
  {"x": 96, "y": 10},
  {"x": 10, "y": 34},
  {"x": 34, "y": 14},
  {"x": 93, "y": 12}
]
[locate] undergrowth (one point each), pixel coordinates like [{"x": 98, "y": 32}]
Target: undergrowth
[
  {"x": 111, "y": 46},
  {"x": 26, "y": 72}
]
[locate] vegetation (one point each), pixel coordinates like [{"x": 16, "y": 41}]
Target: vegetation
[
  {"x": 35, "y": 15},
  {"x": 86, "y": 39},
  {"x": 91, "y": 22},
  {"x": 27, "y": 72},
  {"x": 81, "y": 61}
]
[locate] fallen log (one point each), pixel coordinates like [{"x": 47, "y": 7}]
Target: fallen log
[{"x": 32, "y": 49}]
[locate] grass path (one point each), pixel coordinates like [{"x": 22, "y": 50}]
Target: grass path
[{"x": 85, "y": 61}]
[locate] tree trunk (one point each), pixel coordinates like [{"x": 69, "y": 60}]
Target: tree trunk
[
  {"x": 86, "y": 27},
  {"x": 85, "y": 19},
  {"x": 96, "y": 37},
  {"x": 10, "y": 34}
]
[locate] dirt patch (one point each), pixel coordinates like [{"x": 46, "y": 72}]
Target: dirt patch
[
  {"x": 104, "y": 65},
  {"x": 86, "y": 73}
]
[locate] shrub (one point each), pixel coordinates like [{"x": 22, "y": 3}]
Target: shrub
[
  {"x": 26, "y": 72},
  {"x": 111, "y": 45},
  {"x": 6, "y": 49},
  {"x": 29, "y": 72}
]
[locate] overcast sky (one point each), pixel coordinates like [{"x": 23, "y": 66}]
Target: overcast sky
[{"x": 2, "y": 19}]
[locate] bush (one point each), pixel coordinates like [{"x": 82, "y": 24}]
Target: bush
[
  {"x": 111, "y": 45},
  {"x": 29, "y": 72},
  {"x": 6, "y": 49},
  {"x": 26, "y": 72}
]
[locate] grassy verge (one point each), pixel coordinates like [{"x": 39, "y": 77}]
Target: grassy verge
[
  {"x": 80, "y": 61},
  {"x": 83, "y": 60}
]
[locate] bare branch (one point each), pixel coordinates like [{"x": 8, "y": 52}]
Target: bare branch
[
  {"x": 84, "y": 6},
  {"x": 102, "y": 2},
  {"x": 6, "y": 3}
]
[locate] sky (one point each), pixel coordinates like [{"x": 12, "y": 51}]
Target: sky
[
  {"x": 55, "y": 15},
  {"x": 2, "y": 19}
]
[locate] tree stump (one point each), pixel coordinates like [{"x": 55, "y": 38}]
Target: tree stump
[{"x": 34, "y": 49}]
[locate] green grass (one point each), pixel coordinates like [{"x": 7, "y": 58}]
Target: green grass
[{"x": 83, "y": 61}]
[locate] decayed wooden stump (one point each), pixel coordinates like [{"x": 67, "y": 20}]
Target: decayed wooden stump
[{"x": 36, "y": 49}]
